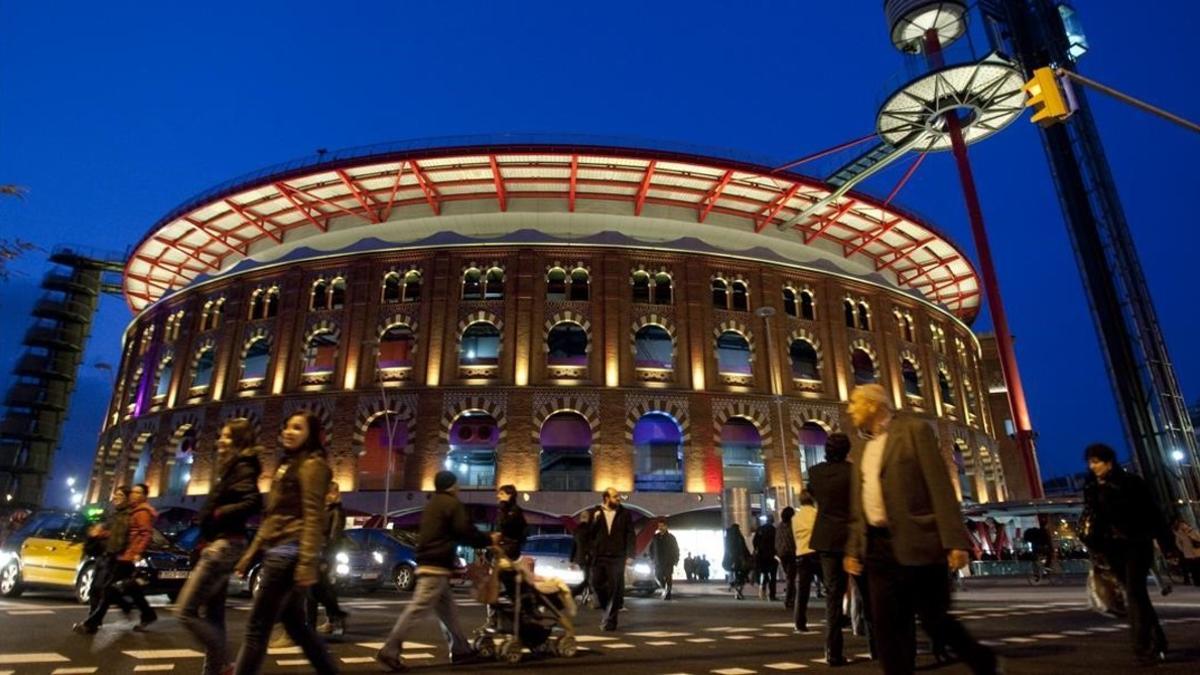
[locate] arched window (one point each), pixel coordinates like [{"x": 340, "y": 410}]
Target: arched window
[
  {"x": 812, "y": 445},
  {"x": 143, "y": 464},
  {"x": 662, "y": 289},
  {"x": 741, "y": 296},
  {"x": 494, "y": 289},
  {"x": 972, "y": 402},
  {"x": 320, "y": 354},
  {"x": 905, "y": 323},
  {"x": 256, "y": 304},
  {"x": 385, "y": 432},
  {"x": 864, "y": 316},
  {"x": 203, "y": 371},
  {"x": 206, "y": 316},
  {"x": 566, "y": 462},
  {"x": 166, "y": 370},
  {"x": 396, "y": 347},
  {"x": 480, "y": 345},
  {"x": 271, "y": 303},
  {"x": 319, "y": 297},
  {"x": 804, "y": 360},
  {"x": 965, "y": 483},
  {"x": 863, "y": 366},
  {"x": 567, "y": 343},
  {"x": 742, "y": 455},
  {"x": 580, "y": 285},
  {"x": 720, "y": 294},
  {"x": 848, "y": 307},
  {"x": 808, "y": 309},
  {"x": 391, "y": 287},
  {"x": 412, "y": 286},
  {"x": 641, "y": 287},
  {"x": 657, "y": 454},
  {"x": 472, "y": 284},
  {"x": 254, "y": 363},
  {"x": 789, "y": 302},
  {"x": 217, "y": 313},
  {"x": 472, "y": 457},
  {"x": 556, "y": 284},
  {"x": 733, "y": 354},
  {"x": 653, "y": 348},
  {"x": 337, "y": 293},
  {"x": 912, "y": 379},
  {"x": 946, "y": 389},
  {"x": 180, "y": 472}
]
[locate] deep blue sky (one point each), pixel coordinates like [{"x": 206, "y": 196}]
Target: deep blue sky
[{"x": 115, "y": 112}]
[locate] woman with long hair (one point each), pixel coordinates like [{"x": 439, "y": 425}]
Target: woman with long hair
[
  {"x": 234, "y": 499},
  {"x": 737, "y": 559},
  {"x": 291, "y": 540}
]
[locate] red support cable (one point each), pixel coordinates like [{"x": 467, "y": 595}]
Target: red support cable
[
  {"x": 823, "y": 153},
  {"x": 640, "y": 200},
  {"x": 358, "y": 196},
  {"x": 387, "y": 212},
  {"x": 500, "y": 196},
  {"x": 571, "y": 189},
  {"x": 904, "y": 179},
  {"x": 431, "y": 194},
  {"x": 253, "y": 219},
  {"x": 302, "y": 208},
  {"x": 775, "y": 207},
  {"x": 710, "y": 200},
  {"x": 829, "y": 221}
]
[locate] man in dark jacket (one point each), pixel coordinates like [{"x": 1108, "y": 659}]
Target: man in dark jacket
[
  {"x": 106, "y": 541},
  {"x": 510, "y": 522},
  {"x": 323, "y": 592},
  {"x": 664, "y": 551},
  {"x": 764, "y": 558},
  {"x": 444, "y": 524},
  {"x": 829, "y": 485},
  {"x": 906, "y": 533},
  {"x": 139, "y": 535},
  {"x": 612, "y": 548}
]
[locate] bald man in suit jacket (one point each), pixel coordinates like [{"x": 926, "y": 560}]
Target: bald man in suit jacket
[{"x": 906, "y": 534}]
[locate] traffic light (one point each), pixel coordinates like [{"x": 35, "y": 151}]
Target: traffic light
[{"x": 1046, "y": 98}]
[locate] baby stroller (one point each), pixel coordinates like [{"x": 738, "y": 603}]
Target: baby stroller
[{"x": 524, "y": 611}]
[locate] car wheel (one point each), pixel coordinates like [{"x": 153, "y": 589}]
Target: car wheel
[
  {"x": 255, "y": 584},
  {"x": 10, "y": 581},
  {"x": 84, "y": 585},
  {"x": 405, "y": 578}
]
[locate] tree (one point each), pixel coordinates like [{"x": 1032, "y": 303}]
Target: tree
[{"x": 10, "y": 249}]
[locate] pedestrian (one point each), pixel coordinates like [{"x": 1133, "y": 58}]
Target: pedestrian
[
  {"x": 689, "y": 567},
  {"x": 140, "y": 533},
  {"x": 1124, "y": 525},
  {"x": 808, "y": 561},
  {"x": 291, "y": 541},
  {"x": 510, "y": 522},
  {"x": 1187, "y": 540},
  {"x": 444, "y": 525},
  {"x": 785, "y": 552},
  {"x": 906, "y": 534},
  {"x": 764, "y": 558},
  {"x": 664, "y": 551},
  {"x": 703, "y": 568},
  {"x": 106, "y": 541},
  {"x": 737, "y": 559},
  {"x": 324, "y": 592},
  {"x": 233, "y": 500},
  {"x": 829, "y": 485},
  {"x": 581, "y": 556},
  {"x": 612, "y": 549}
]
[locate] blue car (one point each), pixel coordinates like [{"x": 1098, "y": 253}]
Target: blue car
[{"x": 399, "y": 549}]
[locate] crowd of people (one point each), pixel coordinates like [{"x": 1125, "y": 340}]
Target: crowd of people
[{"x": 878, "y": 533}]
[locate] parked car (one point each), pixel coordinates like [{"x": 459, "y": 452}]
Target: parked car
[
  {"x": 551, "y": 554},
  {"x": 399, "y": 549},
  {"x": 356, "y": 567},
  {"x": 48, "y": 553}
]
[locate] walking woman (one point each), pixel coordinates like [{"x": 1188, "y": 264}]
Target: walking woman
[
  {"x": 234, "y": 500},
  {"x": 291, "y": 540},
  {"x": 737, "y": 559},
  {"x": 1123, "y": 523}
]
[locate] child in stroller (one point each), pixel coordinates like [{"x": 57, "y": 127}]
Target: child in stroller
[{"x": 524, "y": 611}]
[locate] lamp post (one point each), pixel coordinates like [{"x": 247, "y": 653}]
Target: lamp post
[
  {"x": 389, "y": 427},
  {"x": 766, "y": 313}
]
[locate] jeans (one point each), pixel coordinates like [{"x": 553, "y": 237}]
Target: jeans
[
  {"x": 207, "y": 588},
  {"x": 324, "y": 593},
  {"x": 788, "y": 562},
  {"x": 1131, "y": 564},
  {"x": 431, "y": 594},
  {"x": 806, "y": 570},
  {"x": 279, "y": 599},
  {"x": 768, "y": 571},
  {"x": 664, "y": 578},
  {"x": 608, "y": 579},
  {"x": 897, "y": 593},
  {"x": 835, "y": 590},
  {"x": 121, "y": 582},
  {"x": 102, "y": 578}
]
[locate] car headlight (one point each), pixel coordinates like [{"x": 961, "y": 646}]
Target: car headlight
[
  {"x": 342, "y": 558},
  {"x": 641, "y": 568},
  {"x": 142, "y": 563},
  {"x": 343, "y": 569},
  {"x": 5, "y": 556},
  {"x": 378, "y": 557}
]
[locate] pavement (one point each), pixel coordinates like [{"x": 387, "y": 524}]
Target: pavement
[{"x": 703, "y": 630}]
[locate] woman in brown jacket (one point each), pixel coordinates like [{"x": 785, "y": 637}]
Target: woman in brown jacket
[{"x": 290, "y": 540}]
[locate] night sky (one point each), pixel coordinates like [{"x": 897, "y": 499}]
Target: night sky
[{"x": 116, "y": 112}]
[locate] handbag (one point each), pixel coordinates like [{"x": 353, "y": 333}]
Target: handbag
[
  {"x": 485, "y": 581},
  {"x": 1105, "y": 593}
]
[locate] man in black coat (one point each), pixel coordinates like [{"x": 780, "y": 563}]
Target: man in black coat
[
  {"x": 764, "y": 558},
  {"x": 612, "y": 548},
  {"x": 829, "y": 485},
  {"x": 664, "y": 551}
]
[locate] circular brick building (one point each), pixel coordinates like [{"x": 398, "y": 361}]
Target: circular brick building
[{"x": 562, "y": 317}]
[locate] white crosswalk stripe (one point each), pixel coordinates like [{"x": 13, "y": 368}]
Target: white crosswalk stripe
[{"x": 33, "y": 657}]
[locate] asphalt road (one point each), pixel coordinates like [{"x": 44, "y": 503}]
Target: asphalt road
[{"x": 1037, "y": 630}]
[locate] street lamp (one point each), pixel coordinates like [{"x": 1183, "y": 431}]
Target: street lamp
[
  {"x": 389, "y": 427},
  {"x": 71, "y": 483},
  {"x": 766, "y": 312},
  {"x": 1177, "y": 455}
]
